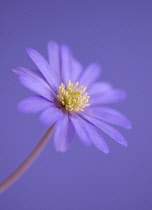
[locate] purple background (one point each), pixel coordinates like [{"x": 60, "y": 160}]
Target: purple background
[{"x": 118, "y": 35}]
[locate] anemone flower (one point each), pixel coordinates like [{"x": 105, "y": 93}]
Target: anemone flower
[{"x": 71, "y": 100}]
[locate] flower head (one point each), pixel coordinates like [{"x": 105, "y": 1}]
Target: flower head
[{"x": 71, "y": 98}]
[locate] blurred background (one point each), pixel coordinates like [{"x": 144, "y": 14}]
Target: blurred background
[{"x": 118, "y": 35}]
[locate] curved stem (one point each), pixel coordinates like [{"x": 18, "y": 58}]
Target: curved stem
[{"x": 19, "y": 171}]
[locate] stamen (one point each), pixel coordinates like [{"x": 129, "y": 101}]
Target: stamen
[{"x": 73, "y": 98}]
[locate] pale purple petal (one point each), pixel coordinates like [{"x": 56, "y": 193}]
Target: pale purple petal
[
  {"x": 63, "y": 134},
  {"x": 90, "y": 75},
  {"x": 76, "y": 70},
  {"x": 93, "y": 134},
  {"x": 109, "y": 130},
  {"x": 34, "y": 104},
  {"x": 112, "y": 96},
  {"x": 66, "y": 63},
  {"x": 36, "y": 86},
  {"x": 109, "y": 115},
  {"x": 99, "y": 87},
  {"x": 31, "y": 73},
  {"x": 80, "y": 129},
  {"x": 43, "y": 66},
  {"x": 54, "y": 59},
  {"x": 51, "y": 115}
]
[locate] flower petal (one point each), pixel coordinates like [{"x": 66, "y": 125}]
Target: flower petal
[
  {"x": 63, "y": 134},
  {"x": 109, "y": 115},
  {"x": 54, "y": 59},
  {"x": 36, "y": 86},
  {"x": 91, "y": 73},
  {"x": 80, "y": 129},
  {"x": 51, "y": 115},
  {"x": 92, "y": 133},
  {"x": 66, "y": 63},
  {"x": 43, "y": 66},
  {"x": 99, "y": 87},
  {"x": 33, "y": 104},
  {"x": 69, "y": 66},
  {"x": 31, "y": 73},
  {"x": 112, "y": 96},
  {"x": 76, "y": 70},
  {"x": 109, "y": 130}
]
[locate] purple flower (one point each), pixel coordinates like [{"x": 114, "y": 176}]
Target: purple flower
[{"x": 72, "y": 99}]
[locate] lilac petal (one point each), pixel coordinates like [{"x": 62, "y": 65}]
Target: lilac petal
[
  {"x": 31, "y": 73},
  {"x": 66, "y": 63},
  {"x": 99, "y": 87},
  {"x": 54, "y": 59},
  {"x": 93, "y": 134},
  {"x": 63, "y": 134},
  {"x": 71, "y": 67},
  {"x": 43, "y": 65},
  {"x": 76, "y": 70},
  {"x": 80, "y": 129},
  {"x": 90, "y": 75},
  {"x": 112, "y": 96},
  {"x": 109, "y": 115},
  {"x": 109, "y": 130},
  {"x": 33, "y": 104},
  {"x": 36, "y": 86},
  {"x": 51, "y": 115}
]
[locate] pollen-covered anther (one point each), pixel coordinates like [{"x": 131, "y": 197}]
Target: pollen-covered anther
[{"x": 73, "y": 98}]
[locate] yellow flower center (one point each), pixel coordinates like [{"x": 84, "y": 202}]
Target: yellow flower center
[{"x": 73, "y": 98}]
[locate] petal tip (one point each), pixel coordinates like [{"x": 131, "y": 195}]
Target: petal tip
[
  {"x": 29, "y": 50},
  {"x": 129, "y": 126},
  {"x": 52, "y": 43},
  {"x": 106, "y": 151},
  {"x": 20, "y": 107},
  {"x": 123, "y": 94},
  {"x": 14, "y": 70},
  {"x": 96, "y": 66},
  {"x": 125, "y": 144},
  {"x": 61, "y": 150}
]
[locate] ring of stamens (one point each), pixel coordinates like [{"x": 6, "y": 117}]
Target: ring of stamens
[{"x": 73, "y": 98}]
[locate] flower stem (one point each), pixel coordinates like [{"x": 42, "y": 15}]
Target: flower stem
[{"x": 28, "y": 161}]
